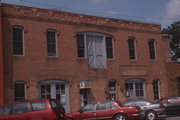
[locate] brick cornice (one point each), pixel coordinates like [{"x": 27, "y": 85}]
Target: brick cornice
[{"x": 38, "y": 14}]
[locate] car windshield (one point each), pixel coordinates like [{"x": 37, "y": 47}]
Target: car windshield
[{"x": 119, "y": 103}]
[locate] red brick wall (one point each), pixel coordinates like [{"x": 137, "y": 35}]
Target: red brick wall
[
  {"x": 35, "y": 66},
  {"x": 1, "y": 64},
  {"x": 173, "y": 69}
]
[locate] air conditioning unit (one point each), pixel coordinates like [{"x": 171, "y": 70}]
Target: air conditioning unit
[{"x": 85, "y": 85}]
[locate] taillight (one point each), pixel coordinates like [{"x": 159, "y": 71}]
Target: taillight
[{"x": 53, "y": 116}]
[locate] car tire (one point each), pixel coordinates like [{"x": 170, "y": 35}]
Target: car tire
[
  {"x": 151, "y": 115},
  {"x": 120, "y": 117}
]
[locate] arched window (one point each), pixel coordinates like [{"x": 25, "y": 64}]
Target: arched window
[{"x": 96, "y": 47}]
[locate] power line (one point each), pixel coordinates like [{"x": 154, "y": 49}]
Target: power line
[{"x": 96, "y": 13}]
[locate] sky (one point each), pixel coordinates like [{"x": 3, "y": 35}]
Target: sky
[{"x": 162, "y": 12}]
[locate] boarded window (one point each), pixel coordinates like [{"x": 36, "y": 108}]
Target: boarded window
[
  {"x": 51, "y": 43},
  {"x": 17, "y": 36}
]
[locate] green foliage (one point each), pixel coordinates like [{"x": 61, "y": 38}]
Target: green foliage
[{"x": 173, "y": 32}]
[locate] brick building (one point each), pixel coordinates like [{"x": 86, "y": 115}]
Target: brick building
[
  {"x": 1, "y": 64},
  {"x": 80, "y": 58}
]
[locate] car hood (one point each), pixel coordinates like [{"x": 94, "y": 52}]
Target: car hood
[{"x": 71, "y": 114}]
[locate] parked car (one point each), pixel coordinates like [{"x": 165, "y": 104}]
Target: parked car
[
  {"x": 151, "y": 110},
  {"x": 171, "y": 105},
  {"x": 41, "y": 109},
  {"x": 109, "y": 110}
]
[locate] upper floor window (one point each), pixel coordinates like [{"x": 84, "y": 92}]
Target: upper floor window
[
  {"x": 51, "y": 43},
  {"x": 132, "y": 48},
  {"x": 152, "y": 51},
  {"x": 17, "y": 37},
  {"x": 96, "y": 47},
  {"x": 19, "y": 91}
]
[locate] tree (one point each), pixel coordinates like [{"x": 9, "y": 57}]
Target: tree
[{"x": 173, "y": 32}]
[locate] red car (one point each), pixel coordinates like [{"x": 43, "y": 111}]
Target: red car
[
  {"x": 109, "y": 110},
  {"x": 41, "y": 109}
]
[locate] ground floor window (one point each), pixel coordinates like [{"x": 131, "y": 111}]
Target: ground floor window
[
  {"x": 178, "y": 85},
  {"x": 135, "y": 88},
  {"x": 56, "y": 89},
  {"x": 156, "y": 89},
  {"x": 19, "y": 91},
  {"x": 84, "y": 96},
  {"x": 112, "y": 90}
]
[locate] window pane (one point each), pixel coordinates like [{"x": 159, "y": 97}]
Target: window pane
[
  {"x": 131, "y": 48},
  {"x": 19, "y": 91},
  {"x": 80, "y": 45},
  {"x": 17, "y": 36},
  {"x": 109, "y": 47},
  {"x": 51, "y": 43},
  {"x": 152, "y": 49}
]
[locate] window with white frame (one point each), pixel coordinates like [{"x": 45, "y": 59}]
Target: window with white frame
[
  {"x": 112, "y": 90},
  {"x": 156, "y": 89},
  {"x": 51, "y": 43},
  {"x": 132, "y": 48},
  {"x": 19, "y": 91},
  {"x": 96, "y": 47},
  {"x": 152, "y": 50},
  {"x": 18, "y": 40},
  {"x": 135, "y": 88}
]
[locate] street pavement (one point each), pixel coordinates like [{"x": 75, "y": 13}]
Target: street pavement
[{"x": 169, "y": 118}]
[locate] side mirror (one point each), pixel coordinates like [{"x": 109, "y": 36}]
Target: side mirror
[{"x": 81, "y": 111}]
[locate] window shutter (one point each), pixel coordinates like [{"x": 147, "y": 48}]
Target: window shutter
[
  {"x": 100, "y": 56},
  {"x": 90, "y": 52}
]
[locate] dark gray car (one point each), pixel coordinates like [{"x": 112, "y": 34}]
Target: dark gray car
[{"x": 151, "y": 110}]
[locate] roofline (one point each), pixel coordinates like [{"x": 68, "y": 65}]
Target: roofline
[{"x": 86, "y": 15}]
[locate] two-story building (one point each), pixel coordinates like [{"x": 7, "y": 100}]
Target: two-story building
[
  {"x": 1, "y": 64},
  {"x": 80, "y": 58}
]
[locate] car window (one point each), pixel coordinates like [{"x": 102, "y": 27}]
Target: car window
[
  {"x": 21, "y": 108},
  {"x": 6, "y": 110},
  {"x": 38, "y": 105},
  {"x": 105, "y": 106},
  {"x": 142, "y": 103},
  {"x": 89, "y": 107},
  {"x": 54, "y": 105}
]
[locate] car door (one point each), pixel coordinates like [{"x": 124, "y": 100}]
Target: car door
[
  {"x": 20, "y": 111},
  {"x": 105, "y": 110},
  {"x": 87, "y": 112}
]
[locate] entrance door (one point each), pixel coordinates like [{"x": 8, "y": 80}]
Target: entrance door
[{"x": 57, "y": 90}]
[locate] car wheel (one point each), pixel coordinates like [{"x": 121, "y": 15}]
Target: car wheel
[
  {"x": 120, "y": 117},
  {"x": 151, "y": 115}
]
